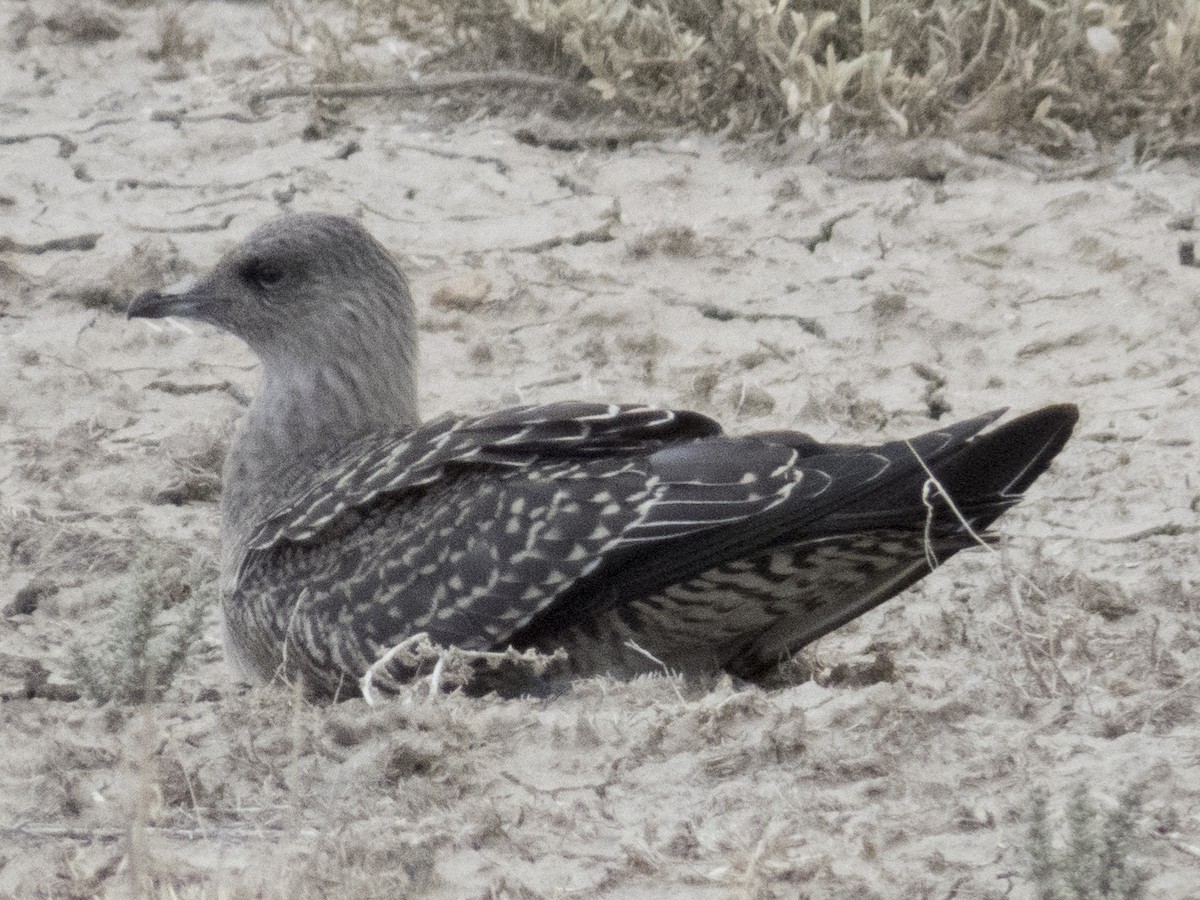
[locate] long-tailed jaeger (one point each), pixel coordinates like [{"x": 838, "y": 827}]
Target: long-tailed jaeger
[{"x": 629, "y": 536}]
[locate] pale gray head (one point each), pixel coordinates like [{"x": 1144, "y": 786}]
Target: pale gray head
[{"x": 299, "y": 285}]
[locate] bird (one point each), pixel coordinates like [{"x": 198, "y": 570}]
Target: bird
[{"x": 630, "y": 537}]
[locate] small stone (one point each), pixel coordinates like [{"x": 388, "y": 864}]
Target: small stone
[{"x": 465, "y": 294}]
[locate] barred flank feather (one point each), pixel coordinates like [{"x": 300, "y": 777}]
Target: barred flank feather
[{"x": 624, "y": 534}]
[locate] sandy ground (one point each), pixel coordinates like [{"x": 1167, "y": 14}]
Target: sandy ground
[{"x": 1072, "y": 656}]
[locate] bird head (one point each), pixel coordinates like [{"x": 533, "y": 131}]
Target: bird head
[{"x": 296, "y": 280}]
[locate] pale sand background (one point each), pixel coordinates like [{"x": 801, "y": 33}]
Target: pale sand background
[{"x": 1016, "y": 291}]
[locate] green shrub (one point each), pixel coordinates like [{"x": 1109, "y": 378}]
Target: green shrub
[
  {"x": 1095, "y": 860},
  {"x": 139, "y": 657}
]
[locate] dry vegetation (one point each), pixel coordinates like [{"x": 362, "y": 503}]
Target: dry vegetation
[{"x": 1058, "y": 73}]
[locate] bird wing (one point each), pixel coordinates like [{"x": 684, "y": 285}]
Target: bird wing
[
  {"x": 705, "y": 503},
  {"x": 392, "y": 463}
]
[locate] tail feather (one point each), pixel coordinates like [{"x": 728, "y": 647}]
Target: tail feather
[{"x": 982, "y": 480}]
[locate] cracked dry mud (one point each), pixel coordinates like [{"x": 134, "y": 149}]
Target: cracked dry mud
[{"x": 682, "y": 271}]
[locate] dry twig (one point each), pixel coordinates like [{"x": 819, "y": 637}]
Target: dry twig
[{"x": 435, "y": 84}]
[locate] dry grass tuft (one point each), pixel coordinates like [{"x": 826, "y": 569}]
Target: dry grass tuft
[
  {"x": 173, "y": 39},
  {"x": 197, "y": 462},
  {"x": 453, "y": 667},
  {"x": 672, "y": 240},
  {"x": 84, "y": 23},
  {"x": 150, "y": 264}
]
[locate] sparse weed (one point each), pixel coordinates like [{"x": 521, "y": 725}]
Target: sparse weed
[
  {"x": 174, "y": 40},
  {"x": 141, "y": 654},
  {"x": 1095, "y": 861}
]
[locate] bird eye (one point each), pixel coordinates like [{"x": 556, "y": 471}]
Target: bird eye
[{"x": 262, "y": 274}]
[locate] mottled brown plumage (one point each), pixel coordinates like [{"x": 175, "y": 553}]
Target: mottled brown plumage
[{"x": 630, "y": 536}]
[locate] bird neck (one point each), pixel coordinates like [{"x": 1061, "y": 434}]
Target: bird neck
[
  {"x": 302, "y": 415},
  {"x": 304, "y": 412}
]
